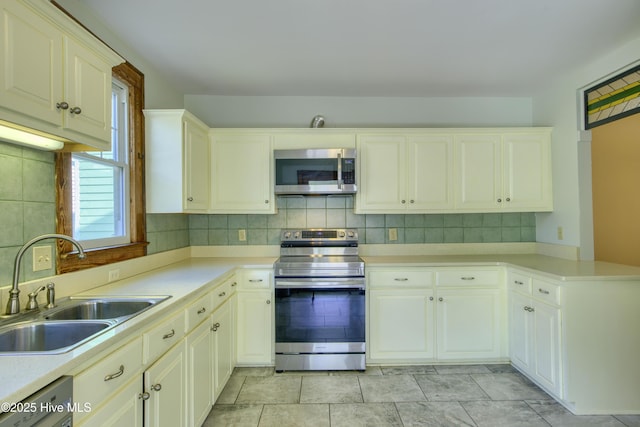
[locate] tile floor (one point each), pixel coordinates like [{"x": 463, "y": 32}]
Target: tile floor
[{"x": 461, "y": 395}]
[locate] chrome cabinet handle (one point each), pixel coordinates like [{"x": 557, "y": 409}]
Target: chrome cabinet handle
[
  {"x": 412, "y": 201},
  {"x": 499, "y": 200},
  {"x": 169, "y": 335},
  {"x": 430, "y": 298},
  {"x": 543, "y": 291},
  {"x": 202, "y": 310},
  {"x": 156, "y": 387},
  {"x": 508, "y": 199},
  {"x": 403, "y": 202},
  {"x": 517, "y": 282},
  {"x": 529, "y": 309},
  {"x": 75, "y": 110},
  {"x": 62, "y": 106},
  {"x": 234, "y": 284},
  {"x": 215, "y": 327},
  {"x": 268, "y": 301},
  {"x": 468, "y": 278},
  {"x": 222, "y": 294},
  {"x": 189, "y": 199},
  {"x": 255, "y": 280},
  {"x": 266, "y": 202},
  {"x": 144, "y": 396},
  {"x": 401, "y": 279},
  {"x": 440, "y": 299},
  {"x": 116, "y": 375}
]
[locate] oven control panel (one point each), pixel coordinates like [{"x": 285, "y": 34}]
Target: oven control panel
[{"x": 319, "y": 234}]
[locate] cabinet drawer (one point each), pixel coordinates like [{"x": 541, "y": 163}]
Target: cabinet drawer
[
  {"x": 519, "y": 283},
  {"x": 221, "y": 293},
  {"x": 95, "y": 384},
  {"x": 255, "y": 279},
  {"x": 162, "y": 337},
  {"x": 546, "y": 291},
  {"x": 468, "y": 277},
  {"x": 198, "y": 311},
  {"x": 413, "y": 278}
]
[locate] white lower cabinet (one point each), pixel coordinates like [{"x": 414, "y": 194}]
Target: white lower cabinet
[
  {"x": 255, "y": 328},
  {"x": 535, "y": 331},
  {"x": 222, "y": 345},
  {"x": 412, "y": 319},
  {"x": 469, "y": 324},
  {"x": 125, "y": 409},
  {"x": 200, "y": 377},
  {"x": 165, "y": 382},
  {"x": 401, "y": 324}
]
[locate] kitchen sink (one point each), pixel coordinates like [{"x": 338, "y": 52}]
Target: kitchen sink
[
  {"x": 45, "y": 336},
  {"x": 75, "y": 321},
  {"x": 91, "y": 308}
]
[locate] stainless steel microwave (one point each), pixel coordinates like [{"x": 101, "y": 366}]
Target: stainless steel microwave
[{"x": 315, "y": 171}]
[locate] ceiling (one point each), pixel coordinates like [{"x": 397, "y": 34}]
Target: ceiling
[{"x": 368, "y": 47}]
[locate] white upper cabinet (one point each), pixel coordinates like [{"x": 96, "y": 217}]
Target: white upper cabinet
[
  {"x": 404, "y": 173},
  {"x": 241, "y": 172},
  {"x": 177, "y": 162},
  {"x": 55, "y": 77},
  {"x": 507, "y": 171}
]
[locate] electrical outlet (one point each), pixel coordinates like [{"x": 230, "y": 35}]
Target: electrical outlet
[
  {"x": 242, "y": 235},
  {"x": 393, "y": 234},
  {"x": 560, "y": 233},
  {"x": 42, "y": 258},
  {"x": 114, "y": 275}
]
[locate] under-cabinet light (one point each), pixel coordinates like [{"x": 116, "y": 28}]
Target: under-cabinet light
[{"x": 29, "y": 139}]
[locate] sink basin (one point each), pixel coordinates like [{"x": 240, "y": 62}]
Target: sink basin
[
  {"x": 102, "y": 308},
  {"x": 44, "y": 336}
]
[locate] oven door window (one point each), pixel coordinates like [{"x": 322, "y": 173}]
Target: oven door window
[{"x": 320, "y": 315}]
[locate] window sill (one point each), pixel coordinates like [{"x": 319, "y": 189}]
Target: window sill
[{"x": 68, "y": 262}]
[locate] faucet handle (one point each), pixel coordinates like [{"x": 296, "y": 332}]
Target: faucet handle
[{"x": 33, "y": 302}]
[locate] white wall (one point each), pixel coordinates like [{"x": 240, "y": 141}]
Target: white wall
[
  {"x": 158, "y": 92},
  {"x": 297, "y": 111},
  {"x": 560, "y": 106}
]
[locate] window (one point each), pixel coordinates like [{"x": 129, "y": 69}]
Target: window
[
  {"x": 100, "y": 184},
  {"x": 100, "y": 195}
]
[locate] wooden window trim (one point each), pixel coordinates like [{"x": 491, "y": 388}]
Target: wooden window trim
[{"x": 66, "y": 258}]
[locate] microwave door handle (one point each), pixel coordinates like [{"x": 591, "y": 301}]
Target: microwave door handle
[{"x": 339, "y": 171}]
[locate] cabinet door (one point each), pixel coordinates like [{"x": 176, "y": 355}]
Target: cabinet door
[
  {"x": 520, "y": 328},
  {"x": 401, "y": 324},
  {"x": 196, "y": 167},
  {"x": 31, "y": 71},
  {"x": 527, "y": 171},
  {"x": 88, "y": 92},
  {"x": 382, "y": 174},
  {"x": 200, "y": 378},
  {"x": 479, "y": 172},
  {"x": 125, "y": 409},
  {"x": 255, "y": 328},
  {"x": 469, "y": 323},
  {"x": 430, "y": 172},
  {"x": 546, "y": 347},
  {"x": 165, "y": 381},
  {"x": 241, "y": 180},
  {"x": 223, "y": 353}
]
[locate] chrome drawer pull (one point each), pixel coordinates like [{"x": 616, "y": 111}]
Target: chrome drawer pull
[
  {"x": 401, "y": 279},
  {"x": 234, "y": 284},
  {"x": 202, "y": 310},
  {"x": 543, "y": 291},
  {"x": 116, "y": 375},
  {"x": 169, "y": 335},
  {"x": 144, "y": 396},
  {"x": 468, "y": 278},
  {"x": 222, "y": 294},
  {"x": 517, "y": 282},
  {"x": 156, "y": 387},
  {"x": 255, "y": 280}
]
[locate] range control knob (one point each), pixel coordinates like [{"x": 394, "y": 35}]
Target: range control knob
[
  {"x": 287, "y": 234},
  {"x": 351, "y": 234},
  {"x": 341, "y": 233},
  {"x": 296, "y": 235}
]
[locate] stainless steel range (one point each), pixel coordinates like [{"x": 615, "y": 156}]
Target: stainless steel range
[{"x": 320, "y": 301}]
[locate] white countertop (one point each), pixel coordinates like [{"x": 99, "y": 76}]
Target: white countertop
[
  {"x": 186, "y": 280},
  {"x": 20, "y": 376}
]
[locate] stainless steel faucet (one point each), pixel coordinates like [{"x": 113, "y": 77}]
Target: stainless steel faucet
[{"x": 13, "y": 306}]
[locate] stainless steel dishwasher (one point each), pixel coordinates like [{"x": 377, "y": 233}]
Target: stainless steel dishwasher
[{"x": 50, "y": 406}]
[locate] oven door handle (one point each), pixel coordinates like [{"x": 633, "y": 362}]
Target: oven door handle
[{"x": 320, "y": 284}]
